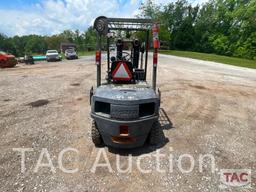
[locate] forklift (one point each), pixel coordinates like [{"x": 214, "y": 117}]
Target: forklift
[{"x": 125, "y": 108}]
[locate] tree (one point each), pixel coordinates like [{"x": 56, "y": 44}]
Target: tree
[
  {"x": 150, "y": 10},
  {"x": 226, "y": 27},
  {"x": 36, "y": 44},
  {"x": 204, "y": 27},
  {"x": 69, "y": 35},
  {"x": 53, "y": 42},
  {"x": 90, "y": 39},
  {"x": 2, "y": 41}
]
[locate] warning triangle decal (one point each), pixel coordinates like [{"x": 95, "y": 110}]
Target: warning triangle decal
[{"x": 122, "y": 72}]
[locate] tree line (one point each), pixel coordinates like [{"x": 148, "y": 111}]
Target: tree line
[
  {"x": 225, "y": 27},
  {"x": 37, "y": 44}
]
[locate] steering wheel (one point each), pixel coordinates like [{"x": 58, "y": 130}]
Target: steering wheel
[{"x": 126, "y": 56}]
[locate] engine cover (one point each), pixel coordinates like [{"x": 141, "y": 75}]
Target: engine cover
[{"x": 124, "y": 112}]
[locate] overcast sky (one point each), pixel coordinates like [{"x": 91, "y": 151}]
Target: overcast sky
[{"x": 47, "y": 17}]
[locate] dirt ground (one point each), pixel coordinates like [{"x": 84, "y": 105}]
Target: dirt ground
[{"x": 207, "y": 108}]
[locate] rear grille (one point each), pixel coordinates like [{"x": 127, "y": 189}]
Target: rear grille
[
  {"x": 146, "y": 109},
  {"x": 124, "y": 112},
  {"x": 102, "y": 107},
  {"x": 52, "y": 56}
]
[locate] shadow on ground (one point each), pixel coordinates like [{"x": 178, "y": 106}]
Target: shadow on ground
[{"x": 165, "y": 123}]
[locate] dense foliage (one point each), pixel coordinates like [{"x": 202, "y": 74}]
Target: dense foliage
[{"x": 225, "y": 27}]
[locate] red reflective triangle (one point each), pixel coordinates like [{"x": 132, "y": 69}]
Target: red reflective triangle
[{"x": 122, "y": 72}]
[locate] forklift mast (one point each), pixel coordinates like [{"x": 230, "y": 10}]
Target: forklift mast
[{"x": 104, "y": 26}]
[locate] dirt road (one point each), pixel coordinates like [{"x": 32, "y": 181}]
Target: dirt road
[{"x": 207, "y": 109}]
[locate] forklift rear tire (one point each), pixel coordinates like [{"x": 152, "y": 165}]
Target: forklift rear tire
[
  {"x": 156, "y": 134},
  {"x": 96, "y": 138}
]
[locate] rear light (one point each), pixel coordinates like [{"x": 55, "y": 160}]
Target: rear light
[
  {"x": 98, "y": 56},
  {"x": 124, "y": 130},
  {"x": 155, "y": 31},
  {"x": 123, "y": 139},
  {"x": 155, "y": 58}
]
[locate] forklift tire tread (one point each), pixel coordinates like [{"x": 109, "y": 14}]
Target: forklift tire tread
[
  {"x": 156, "y": 134},
  {"x": 96, "y": 138}
]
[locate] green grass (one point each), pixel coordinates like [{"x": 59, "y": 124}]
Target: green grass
[
  {"x": 213, "y": 57},
  {"x": 86, "y": 53}
]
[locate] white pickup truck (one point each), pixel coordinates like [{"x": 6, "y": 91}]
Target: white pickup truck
[{"x": 53, "y": 55}]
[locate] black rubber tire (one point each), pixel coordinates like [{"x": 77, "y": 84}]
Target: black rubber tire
[
  {"x": 156, "y": 134},
  {"x": 96, "y": 138}
]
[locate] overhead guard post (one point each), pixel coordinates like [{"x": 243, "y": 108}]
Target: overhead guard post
[
  {"x": 155, "y": 30},
  {"x": 98, "y": 59}
]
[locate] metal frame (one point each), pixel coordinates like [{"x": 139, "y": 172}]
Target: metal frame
[
  {"x": 104, "y": 25},
  {"x": 129, "y": 24}
]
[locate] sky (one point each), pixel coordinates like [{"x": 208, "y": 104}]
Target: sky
[{"x": 48, "y": 17}]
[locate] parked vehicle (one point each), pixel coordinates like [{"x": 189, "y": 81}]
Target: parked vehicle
[
  {"x": 20, "y": 59},
  {"x": 53, "y": 55},
  {"x": 7, "y": 60},
  {"x": 28, "y": 59},
  {"x": 71, "y": 54}
]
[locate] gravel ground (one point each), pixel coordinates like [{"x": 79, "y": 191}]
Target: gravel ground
[{"x": 207, "y": 108}]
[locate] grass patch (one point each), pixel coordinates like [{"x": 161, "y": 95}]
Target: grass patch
[
  {"x": 86, "y": 53},
  {"x": 213, "y": 57}
]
